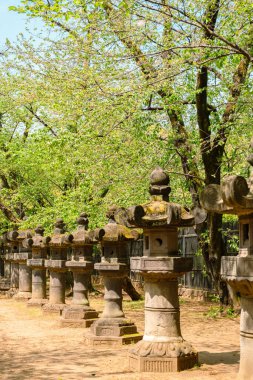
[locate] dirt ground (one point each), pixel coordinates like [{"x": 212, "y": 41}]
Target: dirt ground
[{"x": 34, "y": 346}]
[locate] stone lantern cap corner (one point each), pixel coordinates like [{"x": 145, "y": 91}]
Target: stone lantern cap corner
[
  {"x": 233, "y": 196},
  {"x": 115, "y": 231}
]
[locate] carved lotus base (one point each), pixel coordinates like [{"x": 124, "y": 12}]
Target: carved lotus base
[
  {"x": 162, "y": 356},
  {"x": 170, "y": 349}
]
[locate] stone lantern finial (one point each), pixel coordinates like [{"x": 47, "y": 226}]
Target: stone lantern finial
[
  {"x": 110, "y": 214},
  {"x": 83, "y": 220},
  {"x": 159, "y": 183},
  {"x": 59, "y": 226},
  {"x": 39, "y": 230}
]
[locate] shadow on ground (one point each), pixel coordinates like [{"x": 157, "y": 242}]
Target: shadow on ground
[{"x": 211, "y": 358}]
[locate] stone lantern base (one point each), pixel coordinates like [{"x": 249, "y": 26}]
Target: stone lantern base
[
  {"x": 162, "y": 357},
  {"x": 161, "y": 364},
  {"x": 112, "y": 331},
  {"x": 78, "y": 316},
  {"x": 22, "y": 296},
  {"x": 33, "y": 302},
  {"x": 55, "y": 308}
]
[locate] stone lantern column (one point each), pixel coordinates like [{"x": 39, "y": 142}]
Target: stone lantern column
[
  {"x": 113, "y": 327},
  {"x": 25, "y": 273},
  {"x": 162, "y": 348},
  {"x": 235, "y": 196},
  {"x": 59, "y": 246},
  {"x": 79, "y": 313},
  {"x": 39, "y": 244}
]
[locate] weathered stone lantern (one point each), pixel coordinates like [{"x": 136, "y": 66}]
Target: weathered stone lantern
[
  {"x": 162, "y": 348},
  {"x": 10, "y": 248},
  {"x": 59, "y": 246},
  {"x": 79, "y": 313},
  {"x": 39, "y": 246},
  {"x": 235, "y": 196},
  {"x": 112, "y": 327},
  {"x": 5, "y": 280},
  {"x": 25, "y": 273},
  {"x": 1, "y": 258}
]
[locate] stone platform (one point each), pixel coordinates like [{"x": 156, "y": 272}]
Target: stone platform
[{"x": 112, "y": 331}]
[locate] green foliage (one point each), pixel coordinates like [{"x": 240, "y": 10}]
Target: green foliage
[
  {"x": 213, "y": 312},
  {"x": 88, "y": 113}
]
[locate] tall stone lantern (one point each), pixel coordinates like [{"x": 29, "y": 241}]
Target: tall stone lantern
[
  {"x": 162, "y": 348},
  {"x": 56, "y": 264},
  {"x": 112, "y": 327},
  {"x": 25, "y": 273},
  {"x": 79, "y": 313},
  {"x": 5, "y": 281},
  {"x": 40, "y": 248},
  {"x": 235, "y": 196},
  {"x": 10, "y": 248}
]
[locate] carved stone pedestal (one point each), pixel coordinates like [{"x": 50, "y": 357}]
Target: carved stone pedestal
[
  {"x": 25, "y": 277},
  {"x": 79, "y": 313},
  {"x": 14, "y": 275},
  {"x": 58, "y": 244},
  {"x": 113, "y": 328},
  {"x": 38, "y": 282},
  {"x": 39, "y": 246},
  {"x": 238, "y": 272},
  {"x": 162, "y": 349},
  {"x": 56, "y": 302},
  {"x": 5, "y": 280}
]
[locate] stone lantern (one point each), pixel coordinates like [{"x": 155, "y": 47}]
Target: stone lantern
[
  {"x": 79, "y": 313},
  {"x": 59, "y": 246},
  {"x": 162, "y": 348},
  {"x": 1, "y": 258},
  {"x": 39, "y": 246},
  {"x": 112, "y": 327},
  {"x": 10, "y": 248},
  {"x": 25, "y": 273},
  {"x": 235, "y": 196},
  {"x": 5, "y": 280}
]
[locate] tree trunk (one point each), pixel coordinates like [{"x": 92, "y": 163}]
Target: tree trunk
[{"x": 130, "y": 289}]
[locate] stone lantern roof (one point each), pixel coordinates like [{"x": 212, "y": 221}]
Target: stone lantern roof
[
  {"x": 233, "y": 196},
  {"x": 59, "y": 238},
  {"x": 10, "y": 236},
  {"x": 117, "y": 232},
  {"x": 159, "y": 212},
  {"x": 38, "y": 240},
  {"x": 82, "y": 236}
]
